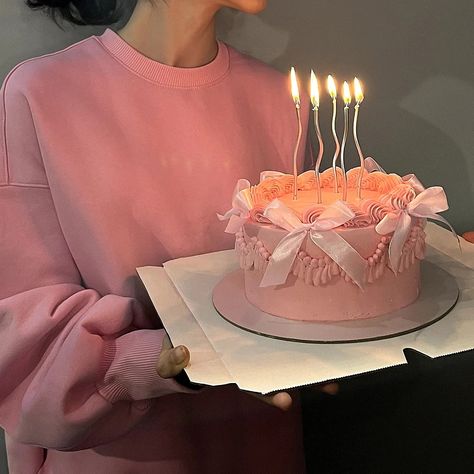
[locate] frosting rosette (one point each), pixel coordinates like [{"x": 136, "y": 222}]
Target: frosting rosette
[
  {"x": 307, "y": 181},
  {"x": 361, "y": 218},
  {"x": 257, "y": 214},
  {"x": 375, "y": 209},
  {"x": 389, "y": 182},
  {"x": 267, "y": 190},
  {"x": 381, "y": 182},
  {"x": 311, "y": 214},
  {"x": 287, "y": 183},
  {"x": 399, "y": 197},
  {"x": 353, "y": 177},
  {"x": 327, "y": 177}
]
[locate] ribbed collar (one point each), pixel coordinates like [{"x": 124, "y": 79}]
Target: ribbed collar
[{"x": 161, "y": 73}]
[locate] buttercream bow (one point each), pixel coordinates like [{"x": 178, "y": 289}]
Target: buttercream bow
[
  {"x": 321, "y": 233},
  {"x": 426, "y": 205},
  {"x": 241, "y": 206}
]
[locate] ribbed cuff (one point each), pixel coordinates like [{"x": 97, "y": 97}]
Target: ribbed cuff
[{"x": 129, "y": 365}]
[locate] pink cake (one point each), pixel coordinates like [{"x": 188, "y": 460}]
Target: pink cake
[{"x": 333, "y": 261}]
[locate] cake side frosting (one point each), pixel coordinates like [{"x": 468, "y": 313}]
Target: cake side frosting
[
  {"x": 318, "y": 288},
  {"x": 255, "y": 244},
  {"x": 336, "y": 301}
]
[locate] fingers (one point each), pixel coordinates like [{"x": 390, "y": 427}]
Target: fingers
[
  {"x": 329, "y": 388},
  {"x": 172, "y": 361},
  {"x": 281, "y": 400}
]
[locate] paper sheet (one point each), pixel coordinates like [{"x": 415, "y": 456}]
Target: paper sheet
[
  {"x": 206, "y": 366},
  {"x": 223, "y": 353}
]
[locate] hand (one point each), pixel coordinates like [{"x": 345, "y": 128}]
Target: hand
[
  {"x": 172, "y": 360},
  {"x": 283, "y": 400}
]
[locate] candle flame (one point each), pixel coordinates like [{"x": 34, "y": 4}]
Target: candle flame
[
  {"x": 346, "y": 93},
  {"x": 294, "y": 87},
  {"x": 332, "y": 87},
  {"x": 314, "y": 90},
  {"x": 359, "y": 94}
]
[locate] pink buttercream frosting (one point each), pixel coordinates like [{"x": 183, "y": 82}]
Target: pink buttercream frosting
[
  {"x": 382, "y": 194},
  {"x": 316, "y": 282},
  {"x": 272, "y": 188},
  {"x": 353, "y": 177},
  {"x": 399, "y": 197},
  {"x": 361, "y": 219},
  {"x": 381, "y": 182},
  {"x": 327, "y": 178},
  {"x": 256, "y": 214},
  {"x": 375, "y": 209},
  {"x": 312, "y": 213}
]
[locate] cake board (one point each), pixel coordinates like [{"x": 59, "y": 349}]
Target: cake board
[{"x": 438, "y": 296}]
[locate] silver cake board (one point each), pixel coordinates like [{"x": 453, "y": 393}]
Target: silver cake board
[{"x": 438, "y": 296}]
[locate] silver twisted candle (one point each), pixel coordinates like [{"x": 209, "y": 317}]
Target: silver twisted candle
[
  {"x": 333, "y": 93},
  {"x": 347, "y": 101},
  {"x": 296, "y": 99},
  {"x": 359, "y": 96},
  {"x": 315, "y": 102}
]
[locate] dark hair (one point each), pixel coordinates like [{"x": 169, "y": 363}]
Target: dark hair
[{"x": 81, "y": 12}]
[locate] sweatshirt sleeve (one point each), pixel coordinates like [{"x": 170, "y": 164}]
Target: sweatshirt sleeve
[{"x": 77, "y": 369}]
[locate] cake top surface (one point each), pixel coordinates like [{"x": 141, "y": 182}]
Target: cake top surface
[{"x": 381, "y": 194}]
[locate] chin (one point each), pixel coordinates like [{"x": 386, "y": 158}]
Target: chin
[{"x": 248, "y": 6}]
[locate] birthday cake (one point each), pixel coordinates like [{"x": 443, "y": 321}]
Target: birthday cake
[
  {"x": 311, "y": 256},
  {"x": 336, "y": 245}
]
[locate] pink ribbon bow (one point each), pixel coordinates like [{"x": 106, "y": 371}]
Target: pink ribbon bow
[
  {"x": 426, "y": 205},
  {"x": 371, "y": 165},
  {"x": 321, "y": 233},
  {"x": 241, "y": 206},
  {"x": 414, "y": 182}
]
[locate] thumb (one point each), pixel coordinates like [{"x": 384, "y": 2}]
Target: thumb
[{"x": 172, "y": 361}]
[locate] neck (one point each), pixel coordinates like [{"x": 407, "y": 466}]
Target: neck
[{"x": 178, "y": 33}]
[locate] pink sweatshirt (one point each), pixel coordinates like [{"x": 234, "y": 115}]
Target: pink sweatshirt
[{"x": 109, "y": 161}]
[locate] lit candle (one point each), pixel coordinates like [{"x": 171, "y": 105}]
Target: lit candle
[
  {"x": 333, "y": 93},
  {"x": 296, "y": 99},
  {"x": 359, "y": 97},
  {"x": 346, "y": 94},
  {"x": 315, "y": 102}
]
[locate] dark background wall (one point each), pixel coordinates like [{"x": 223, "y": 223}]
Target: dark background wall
[{"x": 415, "y": 59}]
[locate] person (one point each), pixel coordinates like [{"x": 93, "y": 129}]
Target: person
[{"x": 117, "y": 152}]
